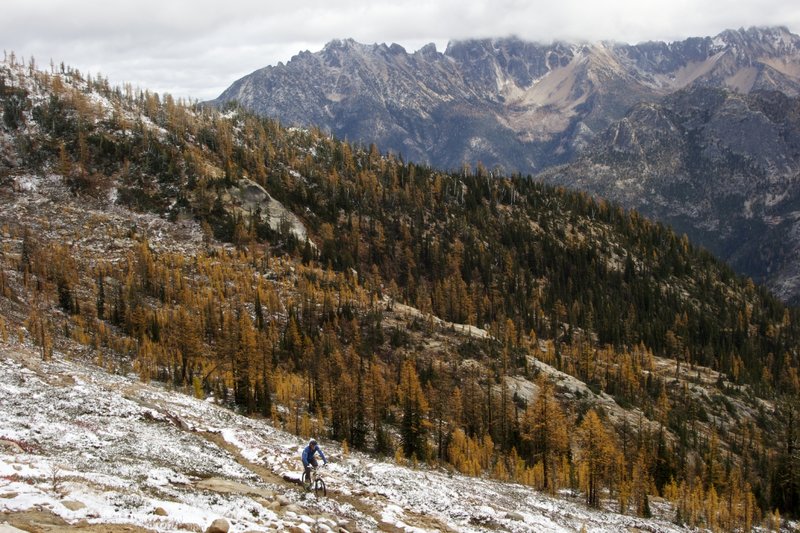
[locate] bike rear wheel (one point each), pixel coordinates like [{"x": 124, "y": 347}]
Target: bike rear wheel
[{"x": 320, "y": 489}]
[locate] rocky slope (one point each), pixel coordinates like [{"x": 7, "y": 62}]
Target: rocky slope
[
  {"x": 720, "y": 166},
  {"x": 504, "y": 102},
  {"x": 107, "y": 453}
]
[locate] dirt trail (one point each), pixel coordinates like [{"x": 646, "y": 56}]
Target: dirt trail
[
  {"x": 257, "y": 468},
  {"x": 372, "y": 508}
]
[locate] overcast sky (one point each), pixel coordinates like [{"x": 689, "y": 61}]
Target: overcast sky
[{"x": 197, "y": 48}]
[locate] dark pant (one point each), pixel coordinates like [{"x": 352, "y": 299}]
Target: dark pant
[{"x": 312, "y": 463}]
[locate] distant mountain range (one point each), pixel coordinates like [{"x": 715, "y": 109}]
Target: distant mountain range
[
  {"x": 506, "y": 103},
  {"x": 703, "y": 134}
]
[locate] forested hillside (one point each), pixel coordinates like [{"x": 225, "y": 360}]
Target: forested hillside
[{"x": 329, "y": 287}]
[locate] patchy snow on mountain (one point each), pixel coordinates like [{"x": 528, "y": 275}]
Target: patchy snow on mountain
[
  {"x": 88, "y": 447},
  {"x": 538, "y": 103}
]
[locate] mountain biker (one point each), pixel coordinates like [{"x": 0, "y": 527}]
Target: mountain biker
[{"x": 309, "y": 459}]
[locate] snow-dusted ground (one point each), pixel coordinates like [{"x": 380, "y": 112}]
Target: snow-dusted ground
[{"x": 115, "y": 450}]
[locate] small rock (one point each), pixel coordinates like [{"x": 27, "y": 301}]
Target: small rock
[
  {"x": 323, "y": 524},
  {"x": 347, "y": 524},
  {"x": 220, "y": 525},
  {"x": 515, "y": 516},
  {"x": 385, "y": 525},
  {"x": 190, "y": 527},
  {"x": 274, "y": 506},
  {"x": 283, "y": 501},
  {"x": 10, "y": 446},
  {"x": 160, "y": 511},
  {"x": 292, "y": 479},
  {"x": 73, "y": 505},
  {"x": 82, "y": 523},
  {"x": 9, "y": 495}
]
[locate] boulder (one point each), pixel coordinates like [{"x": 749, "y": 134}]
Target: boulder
[
  {"x": 11, "y": 446},
  {"x": 273, "y": 506},
  {"x": 220, "y": 525},
  {"x": 389, "y": 527},
  {"x": 283, "y": 500},
  {"x": 73, "y": 505}
]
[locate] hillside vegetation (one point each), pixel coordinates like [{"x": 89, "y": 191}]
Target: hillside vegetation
[
  {"x": 720, "y": 165},
  {"x": 498, "y": 327}
]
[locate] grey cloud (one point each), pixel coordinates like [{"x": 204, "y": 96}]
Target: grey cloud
[{"x": 198, "y": 48}]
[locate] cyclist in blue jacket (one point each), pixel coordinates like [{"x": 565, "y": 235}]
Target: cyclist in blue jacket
[{"x": 309, "y": 459}]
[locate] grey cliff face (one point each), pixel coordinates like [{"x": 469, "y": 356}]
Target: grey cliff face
[
  {"x": 722, "y": 167},
  {"x": 506, "y": 103}
]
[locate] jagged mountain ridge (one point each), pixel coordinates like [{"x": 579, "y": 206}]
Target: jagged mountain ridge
[
  {"x": 504, "y": 102},
  {"x": 720, "y": 166}
]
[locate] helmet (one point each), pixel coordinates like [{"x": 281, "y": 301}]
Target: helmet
[{"x": 312, "y": 442}]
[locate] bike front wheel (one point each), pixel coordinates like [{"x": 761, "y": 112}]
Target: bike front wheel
[{"x": 320, "y": 489}]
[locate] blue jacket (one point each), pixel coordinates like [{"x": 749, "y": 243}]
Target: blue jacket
[{"x": 308, "y": 454}]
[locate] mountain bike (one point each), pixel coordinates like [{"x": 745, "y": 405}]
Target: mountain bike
[{"x": 314, "y": 480}]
